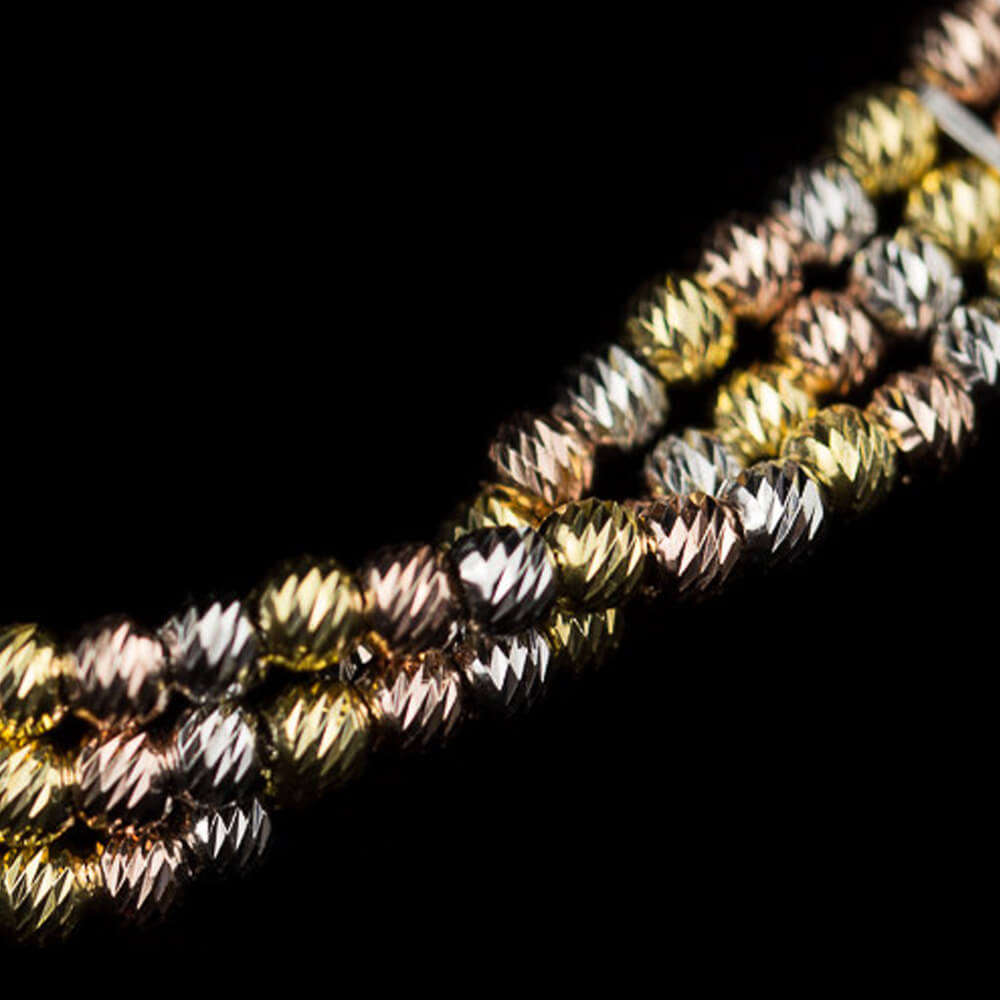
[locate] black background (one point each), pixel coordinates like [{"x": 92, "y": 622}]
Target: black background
[{"x": 275, "y": 287}]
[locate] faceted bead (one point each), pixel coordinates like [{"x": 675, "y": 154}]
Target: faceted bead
[
  {"x": 410, "y": 599},
  {"x": 143, "y": 876},
  {"x": 886, "y": 137},
  {"x": 851, "y": 454},
  {"x": 507, "y": 577},
  {"x": 680, "y": 328},
  {"x": 967, "y": 344},
  {"x": 691, "y": 462},
  {"x": 906, "y": 282},
  {"x": 31, "y": 680},
  {"x": 928, "y": 415},
  {"x": 495, "y": 506},
  {"x": 579, "y": 641},
  {"x": 230, "y": 839},
  {"x": 546, "y": 456},
  {"x": 599, "y": 551},
  {"x": 757, "y": 407},
  {"x": 830, "y": 341},
  {"x": 506, "y": 673},
  {"x": 753, "y": 265},
  {"x": 214, "y": 754},
  {"x": 958, "y": 206},
  {"x": 309, "y": 612},
  {"x": 36, "y": 800}
]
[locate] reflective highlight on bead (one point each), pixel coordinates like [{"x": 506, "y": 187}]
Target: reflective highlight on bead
[
  {"x": 143, "y": 876},
  {"x": 495, "y": 506},
  {"x": 967, "y": 344},
  {"x": 36, "y": 802},
  {"x": 693, "y": 461},
  {"x": 31, "y": 679},
  {"x": 993, "y": 272},
  {"x": 581, "y": 641},
  {"x": 231, "y": 839},
  {"x": 215, "y": 754},
  {"x": 506, "y": 672}
]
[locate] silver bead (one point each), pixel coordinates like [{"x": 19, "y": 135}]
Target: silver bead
[
  {"x": 506, "y": 673},
  {"x": 143, "y": 876},
  {"x": 214, "y": 754},
  {"x": 967, "y": 344},
  {"x": 232, "y": 838},
  {"x": 691, "y": 462}
]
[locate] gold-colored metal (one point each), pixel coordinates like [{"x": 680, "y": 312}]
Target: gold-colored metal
[
  {"x": 993, "y": 272},
  {"x": 851, "y": 454},
  {"x": 36, "y": 801},
  {"x": 680, "y": 328},
  {"x": 580, "y": 641},
  {"x": 887, "y": 138},
  {"x": 32, "y": 673},
  {"x": 757, "y": 407},
  {"x": 600, "y": 553},
  {"x": 309, "y": 612},
  {"x": 495, "y": 506}
]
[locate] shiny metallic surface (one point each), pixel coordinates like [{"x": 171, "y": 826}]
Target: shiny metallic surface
[
  {"x": 507, "y": 577},
  {"x": 410, "y": 598},
  {"x": 752, "y": 263},
  {"x": 967, "y": 345},
  {"x": 143, "y": 876},
  {"x": 693, "y": 461},
  {"x": 309, "y": 612},
  {"x": 851, "y": 454},
  {"x": 32, "y": 674},
  {"x": 886, "y": 137},
  {"x": 583, "y": 641},
  {"x": 906, "y": 282},
  {"x": 214, "y": 754},
  {"x": 993, "y": 272},
  {"x": 506, "y": 673},
  {"x": 970, "y": 132},
  {"x": 830, "y": 341},
  {"x": 36, "y": 800},
  {"x": 599, "y": 551},
  {"x": 495, "y": 506},
  {"x": 545, "y": 456},
  {"x": 230, "y": 839}
]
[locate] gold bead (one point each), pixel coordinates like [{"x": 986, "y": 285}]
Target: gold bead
[
  {"x": 31, "y": 678},
  {"x": 851, "y": 454},
  {"x": 887, "y": 138},
  {"x": 308, "y": 613},
  {"x": 680, "y": 328},
  {"x": 495, "y": 506},
  {"x": 600, "y": 553},
  {"x": 579, "y": 641},
  {"x": 757, "y": 407},
  {"x": 36, "y": 801}
]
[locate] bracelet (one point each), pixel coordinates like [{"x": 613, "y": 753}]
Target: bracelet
[{"x": 133, "y": 761}]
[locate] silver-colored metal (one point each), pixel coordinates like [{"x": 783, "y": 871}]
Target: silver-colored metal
[
  {"x": 214, "y": 754},
  {"x": 507, "y": 577},
  {"x": 507, "y": 673},
  {"x": 231, "y": 839},
  {"x": 143, "y": 875},
  {"x": 960, "y": 124},
  {"x": 691, "y": 462},
  {"x": 967, "y": 344}
]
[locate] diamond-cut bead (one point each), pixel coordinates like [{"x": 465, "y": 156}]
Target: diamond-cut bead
[
  {"x": 967, "y": 344},
  {"x": 32, "y": 673},
  {"x": 36, "y": 802},
  {"x": 495, "y": 506},
  {"x": 230, "y": 839},
  {"x": 506, "y": 672},
  {"x": 215, "y": 754},
  {"x": 691, "y": 462},
  {"x": 580, "y": 641},
  {"x": 143, "y": 876}
]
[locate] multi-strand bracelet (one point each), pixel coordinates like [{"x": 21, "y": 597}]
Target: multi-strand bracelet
[{"x": 194, "y": 733}]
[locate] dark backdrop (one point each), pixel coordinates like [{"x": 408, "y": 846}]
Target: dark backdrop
[{"x": 275, "y": 288}]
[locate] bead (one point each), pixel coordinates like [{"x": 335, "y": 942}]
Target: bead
[
  {"x": 119, "y": 676},
  {"x": 680, "y": 328},
  {"x": 410, "y": 600},
  {"x": 830, "y": 341},
  {"x": 691, "y": 462},
  {"x": 927, "y": 413},
  {"x": 506, "y": 673},
  {"x": 849, "y": 453},
  {"x": 213, "y": 651},
  {"x": 886, "y": 137},
  {"x": 507, "y": 577},
  {"x": 696, "y": 541},
  {"x": 780, "y": 506},
  {"x": 36, "y": 802},
  {"x": 828, "y": 210},
  {"x": 906, "y": 282},
  {"x": 143, "y": 876},
  {"x": 599, "y": 552},
  {"x": 495, "y": 506},
  {"x": 753, "y": 265},
  {"x": 545, "y": 456},
  {"x": 757, "y": 407},
  {"x": 319, "y": 735},
  {"x": 967, "y": 344},
  {"x": 308, "y": 614},
  {"x": 31, "y": 679},
  {"x": 993, "y": 272},
  {"x": 231, "y": 839},
  {"x": 214, "y": 755},
  {"x": 44, "y": 892},
  {"x": 958, "y": 206},
  {"x": 580, "y": 641}
]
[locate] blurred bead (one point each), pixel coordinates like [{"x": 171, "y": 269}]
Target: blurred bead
[
  {"x": 848, "y": 452},
  {"x": 495, "y": 506},
  {"x": 599, "y": 551},
  {"x": 906, "y": 282},
  {"x": 696, "y": 540},
  {"x": 507, "y": 577},
  {"x": 410, "y": 600},
  {"x": 579, "y": 641},
  {"x": 545, "y": 456},
  {"x": 32, "y": 674},
  {"x": 753, "y": 265},
  {"x": 308, "y": 613},
  {"x": 886, "y": 137},
  {"x": 680, "y": 328},
  {"x": 830, "y": 341},
  {"x": 828, "y": 209},
  {"x": 691, "y": 462},
  {"x": 993, "y": 272},
  {"x": 757, "y": 407},
  {"x": 214, "y": 753},
  {"x": 508, "y": 672},
  {"x": 958, "y": 206},
  {"x": 119, "y": 675},
  {"x": 143, "y": 876},
  {"x": 231, "y": 839},
  {"x": 927, "y": 413},
  {"x": 213, "y": 651},
  {"x": 122, "y": 781},
  {"x": 780, "y": 507},
  {"x": 36, "y": 800},
  {"x": 967, "y": 344},
  {"x": 319, "y": 735}
]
